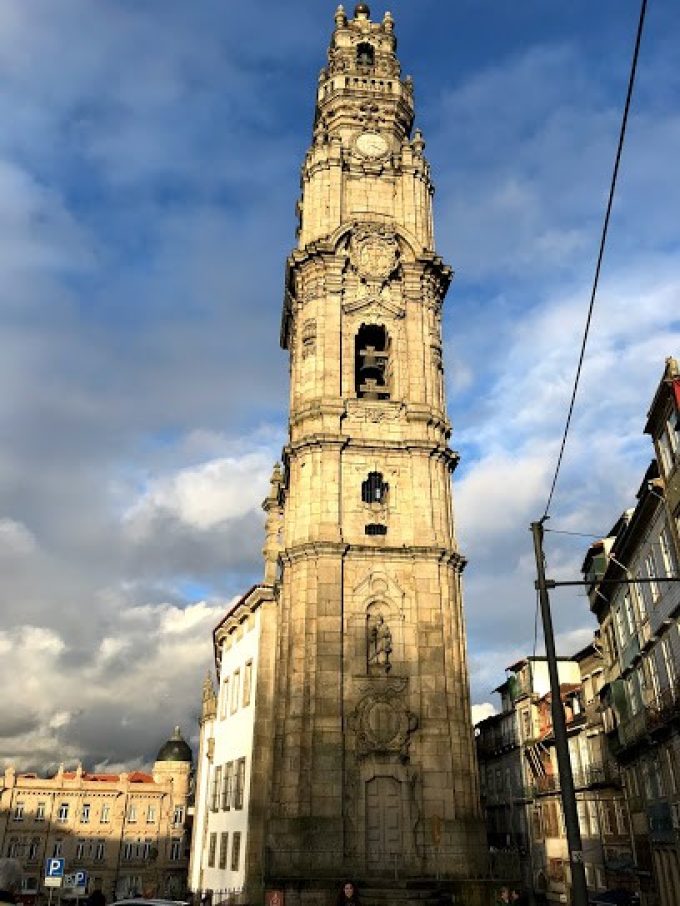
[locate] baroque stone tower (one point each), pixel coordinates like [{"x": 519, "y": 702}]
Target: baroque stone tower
[{"x": 368, "y": 763}]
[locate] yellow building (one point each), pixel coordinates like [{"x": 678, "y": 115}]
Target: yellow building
[{"x": 128, "y": 831}]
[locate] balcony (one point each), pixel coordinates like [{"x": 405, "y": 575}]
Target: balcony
[{"x": 659, "y": 711}]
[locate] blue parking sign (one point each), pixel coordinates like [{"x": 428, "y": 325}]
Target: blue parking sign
[
  {"x": 54, "y": 868},
  {"x": 80, "y": 878}
]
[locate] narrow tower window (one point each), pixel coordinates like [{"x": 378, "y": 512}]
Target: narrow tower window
[
  {"x": 374, "y": 489},
  {"x": 365, "y": 55},
  {"x": 371, "y": 361}
]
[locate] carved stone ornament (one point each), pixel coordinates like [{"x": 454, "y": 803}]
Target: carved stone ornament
[
  {"x": 308, "y": 338},
  {"x": 386, "y": 411},
  {"x": 373, "y": 252},
  {"x": 382, "y": 724}
]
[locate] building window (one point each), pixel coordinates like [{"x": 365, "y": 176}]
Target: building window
[
  {"x": 666, "y": 451},
  {"x": 551, "y": 821},
  {"x": 62, "y": 814},
  {"x": 18, "y": 812},
  {"x": 33, "y": 848},
  {"x": 598, "y": 681},
  {"x": 608, "y": 812},
  {"x": 621, "y": 818},
  {"x": 176, "y": 849},
  {"x": 224, "y": 845},
  {"x": 621, "y": 624},
  {"x": 215, "y": 791},
  {"x": 365, "y": 54},
  {"x": 235, "y": 688},
  {"x": 13, "y": 848},
  {"x": 240, "y": 783},
  {"x": 642, "y": 594},
  {"x": 235, "y": 850},
  {"x": 653, "y": 674},
  {"x": 178, "y": 815},
  {"x": 105, "y": 816},
  {"x": 629, "y": 614},
  {"x": 670, "y": 767},
  {"x": 374, "y": 489},
  {"x": 151, "y": 814},
  {"x": 650, "y": 568},
  {"x": 99, "y": 850},
  {"x": 227, "y": 785},
  {"x": 247, "y": 682},
  {"x": 612, "y": 643},
  {"x": 371, "y": 363},
  {"x": 132, "y": 813},
  {"x": 40, "y": 812},
  {"x": 29, "y": 884},
  {"x": 58, "y": 849},
  {"x": 669, "y": 663},
  {"x": 582, "y": 811},
  {"x": 225, "y": 698},
  {"x": 85, "y": 813},
  {"x": 80, "y": 850},
  {"x": 666, "y": 553},
  {"x": 212, "y": 849},
  {"x": 128, "y": 850}
]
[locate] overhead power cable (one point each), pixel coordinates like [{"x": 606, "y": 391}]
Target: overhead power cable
[{"x": 603, "y": 241}]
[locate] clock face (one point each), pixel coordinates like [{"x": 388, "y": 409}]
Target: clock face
[{"x": 370, "y": 144}]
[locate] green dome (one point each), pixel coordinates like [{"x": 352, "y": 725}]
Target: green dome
[{"x": 175, "y": 749}]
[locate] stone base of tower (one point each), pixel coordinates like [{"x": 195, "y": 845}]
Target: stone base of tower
[
  {"x": 387, "y": 892},
  {"x": 458, "y": 874}
]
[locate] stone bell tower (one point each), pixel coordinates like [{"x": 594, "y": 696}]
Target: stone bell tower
[{"x": 372, "y": 767}]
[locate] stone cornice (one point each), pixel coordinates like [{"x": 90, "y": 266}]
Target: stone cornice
[
  {"x": 312, "y": 550},
  {"x": 240, "y": 611}
]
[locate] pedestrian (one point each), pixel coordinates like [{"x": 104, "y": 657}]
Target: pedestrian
[
  {"x": 503, "y": 896},
  {"x": 10, "y": 881},
  {"x": 96, "y": 898},
  {"x": 348, "y": 895}
]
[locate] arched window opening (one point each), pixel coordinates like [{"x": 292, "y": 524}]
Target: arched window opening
[
  {"x": 371, "y": 363},
  {"x": 374, "y": 489},
  {"x": 365, "y": 55}
]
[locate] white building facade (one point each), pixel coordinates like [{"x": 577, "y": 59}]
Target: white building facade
[{"x": 220, "y": 836}]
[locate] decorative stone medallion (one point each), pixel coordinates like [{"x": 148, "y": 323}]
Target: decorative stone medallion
[
  {"x": 373, "y": 252},
  {"x": 383, "y": 724}
]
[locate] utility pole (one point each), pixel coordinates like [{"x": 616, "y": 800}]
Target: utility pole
[{"x": 578, "y": 872}]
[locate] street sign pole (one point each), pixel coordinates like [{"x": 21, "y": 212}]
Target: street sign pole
[{"x": 578, "y": 869}]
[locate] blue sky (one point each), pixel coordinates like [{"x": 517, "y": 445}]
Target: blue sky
[{"x": 149, "y": 167}]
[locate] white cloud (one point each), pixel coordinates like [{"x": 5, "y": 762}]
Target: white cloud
[
  {"x": 205, "y": 495},
  {"x": 15, "y": 539},
  {"x": 482, "y": 711},
  {"x": 147, "y": 676}
]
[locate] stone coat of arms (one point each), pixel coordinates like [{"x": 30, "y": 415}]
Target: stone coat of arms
[{"x": 373, "y": 252}]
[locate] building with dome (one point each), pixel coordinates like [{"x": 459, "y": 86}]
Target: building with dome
[{"x": 129, "y": 831}]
